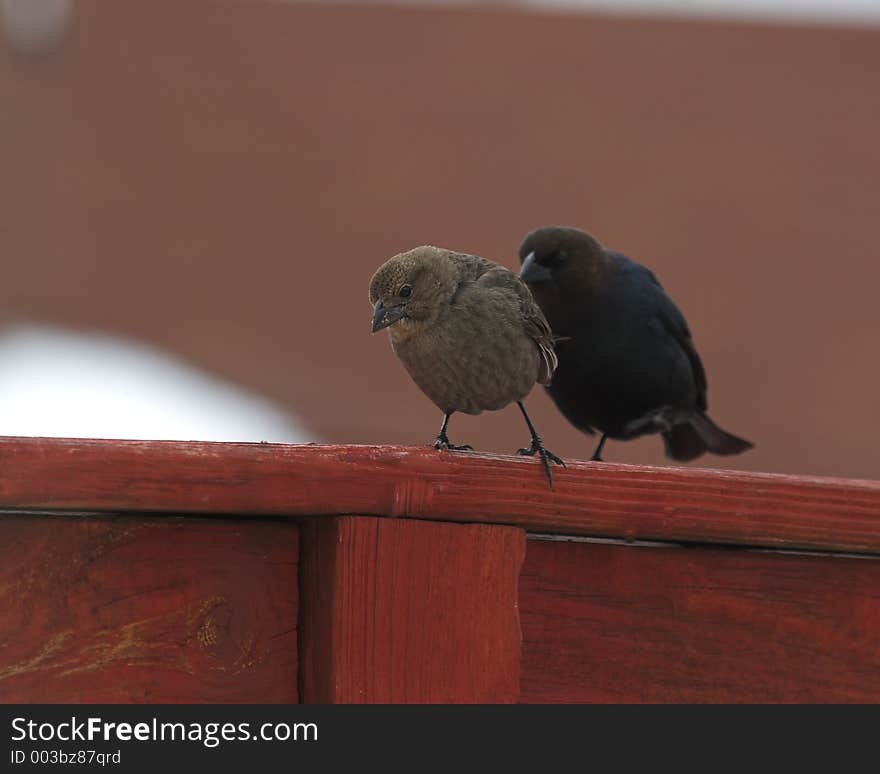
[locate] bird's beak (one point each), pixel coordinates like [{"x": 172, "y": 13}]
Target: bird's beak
[
  {"x": 533, "y": 272},
  {"x": 383, "y": 317}
]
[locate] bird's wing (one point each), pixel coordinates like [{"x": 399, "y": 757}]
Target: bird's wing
[
  {"x": 673, "y": 321},
  {"x": 669, "y": 316},
  {"x": 474, "y": 267},
  {"x": 534, "y": 322}
]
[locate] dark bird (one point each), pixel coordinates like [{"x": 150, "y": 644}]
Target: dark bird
[
  {"x": 627, "y": 362},
  {"x": 468, "y": 332}
]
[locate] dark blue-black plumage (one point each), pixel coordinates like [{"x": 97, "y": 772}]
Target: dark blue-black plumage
[{"x": 627, "y": 361}]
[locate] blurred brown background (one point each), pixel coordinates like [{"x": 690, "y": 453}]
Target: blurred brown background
[{"x": 222, "y": 178}]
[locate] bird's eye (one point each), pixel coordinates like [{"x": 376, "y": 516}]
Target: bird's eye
[{"x": 405, "y": 291}]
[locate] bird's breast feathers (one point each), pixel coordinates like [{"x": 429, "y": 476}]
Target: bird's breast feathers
[{"x": 403, "y": 330}]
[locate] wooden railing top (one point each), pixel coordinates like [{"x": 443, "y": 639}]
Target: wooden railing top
[{"x": 590, "y": 499}]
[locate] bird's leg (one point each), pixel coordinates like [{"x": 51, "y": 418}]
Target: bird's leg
[
  {"x": 597, "y": 455},
  {"x": 537, "y": 447},
  {"x": 442, "y": 442}
]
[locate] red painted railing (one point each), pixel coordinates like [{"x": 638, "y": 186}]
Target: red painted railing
[{"x": 163, "y": 571}]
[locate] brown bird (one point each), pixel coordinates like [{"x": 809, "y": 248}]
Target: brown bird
[
  {"x": 627, "y": 363},
  {"x": 468, "y": 332}
]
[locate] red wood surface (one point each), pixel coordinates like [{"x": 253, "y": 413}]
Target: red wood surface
[
  {"x": 611, "y": 623},
  {"x": 597, "y": 499},
  {"x": 408, "y": 612},
  {"x": 147, "y": 610}
]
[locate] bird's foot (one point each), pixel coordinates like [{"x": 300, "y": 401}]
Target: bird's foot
[
  {"x": 596, "y": 458},
  {"x": 537, "y": 447},
  {"x": 442, "y": 443}
]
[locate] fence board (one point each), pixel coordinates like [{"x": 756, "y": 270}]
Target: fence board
[
  {"x": 596, "y": 499},
  {"x": 147, "y": 610},
  {"x": 611, "y": 623}
]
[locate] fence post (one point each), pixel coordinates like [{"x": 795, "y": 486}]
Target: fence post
[{"x": 394, "y": 610}]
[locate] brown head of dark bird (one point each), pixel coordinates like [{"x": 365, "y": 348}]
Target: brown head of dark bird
[{"x": 559, "y": 263}]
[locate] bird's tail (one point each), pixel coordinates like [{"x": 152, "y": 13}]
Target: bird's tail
[{"x": 698, "y": 435}]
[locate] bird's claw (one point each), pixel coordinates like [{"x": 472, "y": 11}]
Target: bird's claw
[
  {"x": 554, "y": 458},
  {"x": 442, "y": 444},
  {"x": 534, "y": 449},
  {"x": 537, "y": 447}
]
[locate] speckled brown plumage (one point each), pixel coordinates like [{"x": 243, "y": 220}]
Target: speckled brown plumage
[{"x": 466, "y": 329}]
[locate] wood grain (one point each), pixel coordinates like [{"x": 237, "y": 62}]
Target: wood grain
[
  {"x": 595, "y": 499},
  {"x": 611, "y": 623},
  {"x": 397, "y": 611},
  {"x": 147, "y": 610}
]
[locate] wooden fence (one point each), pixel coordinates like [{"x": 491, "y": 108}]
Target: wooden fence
[{"x": 203, "y": 572}]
